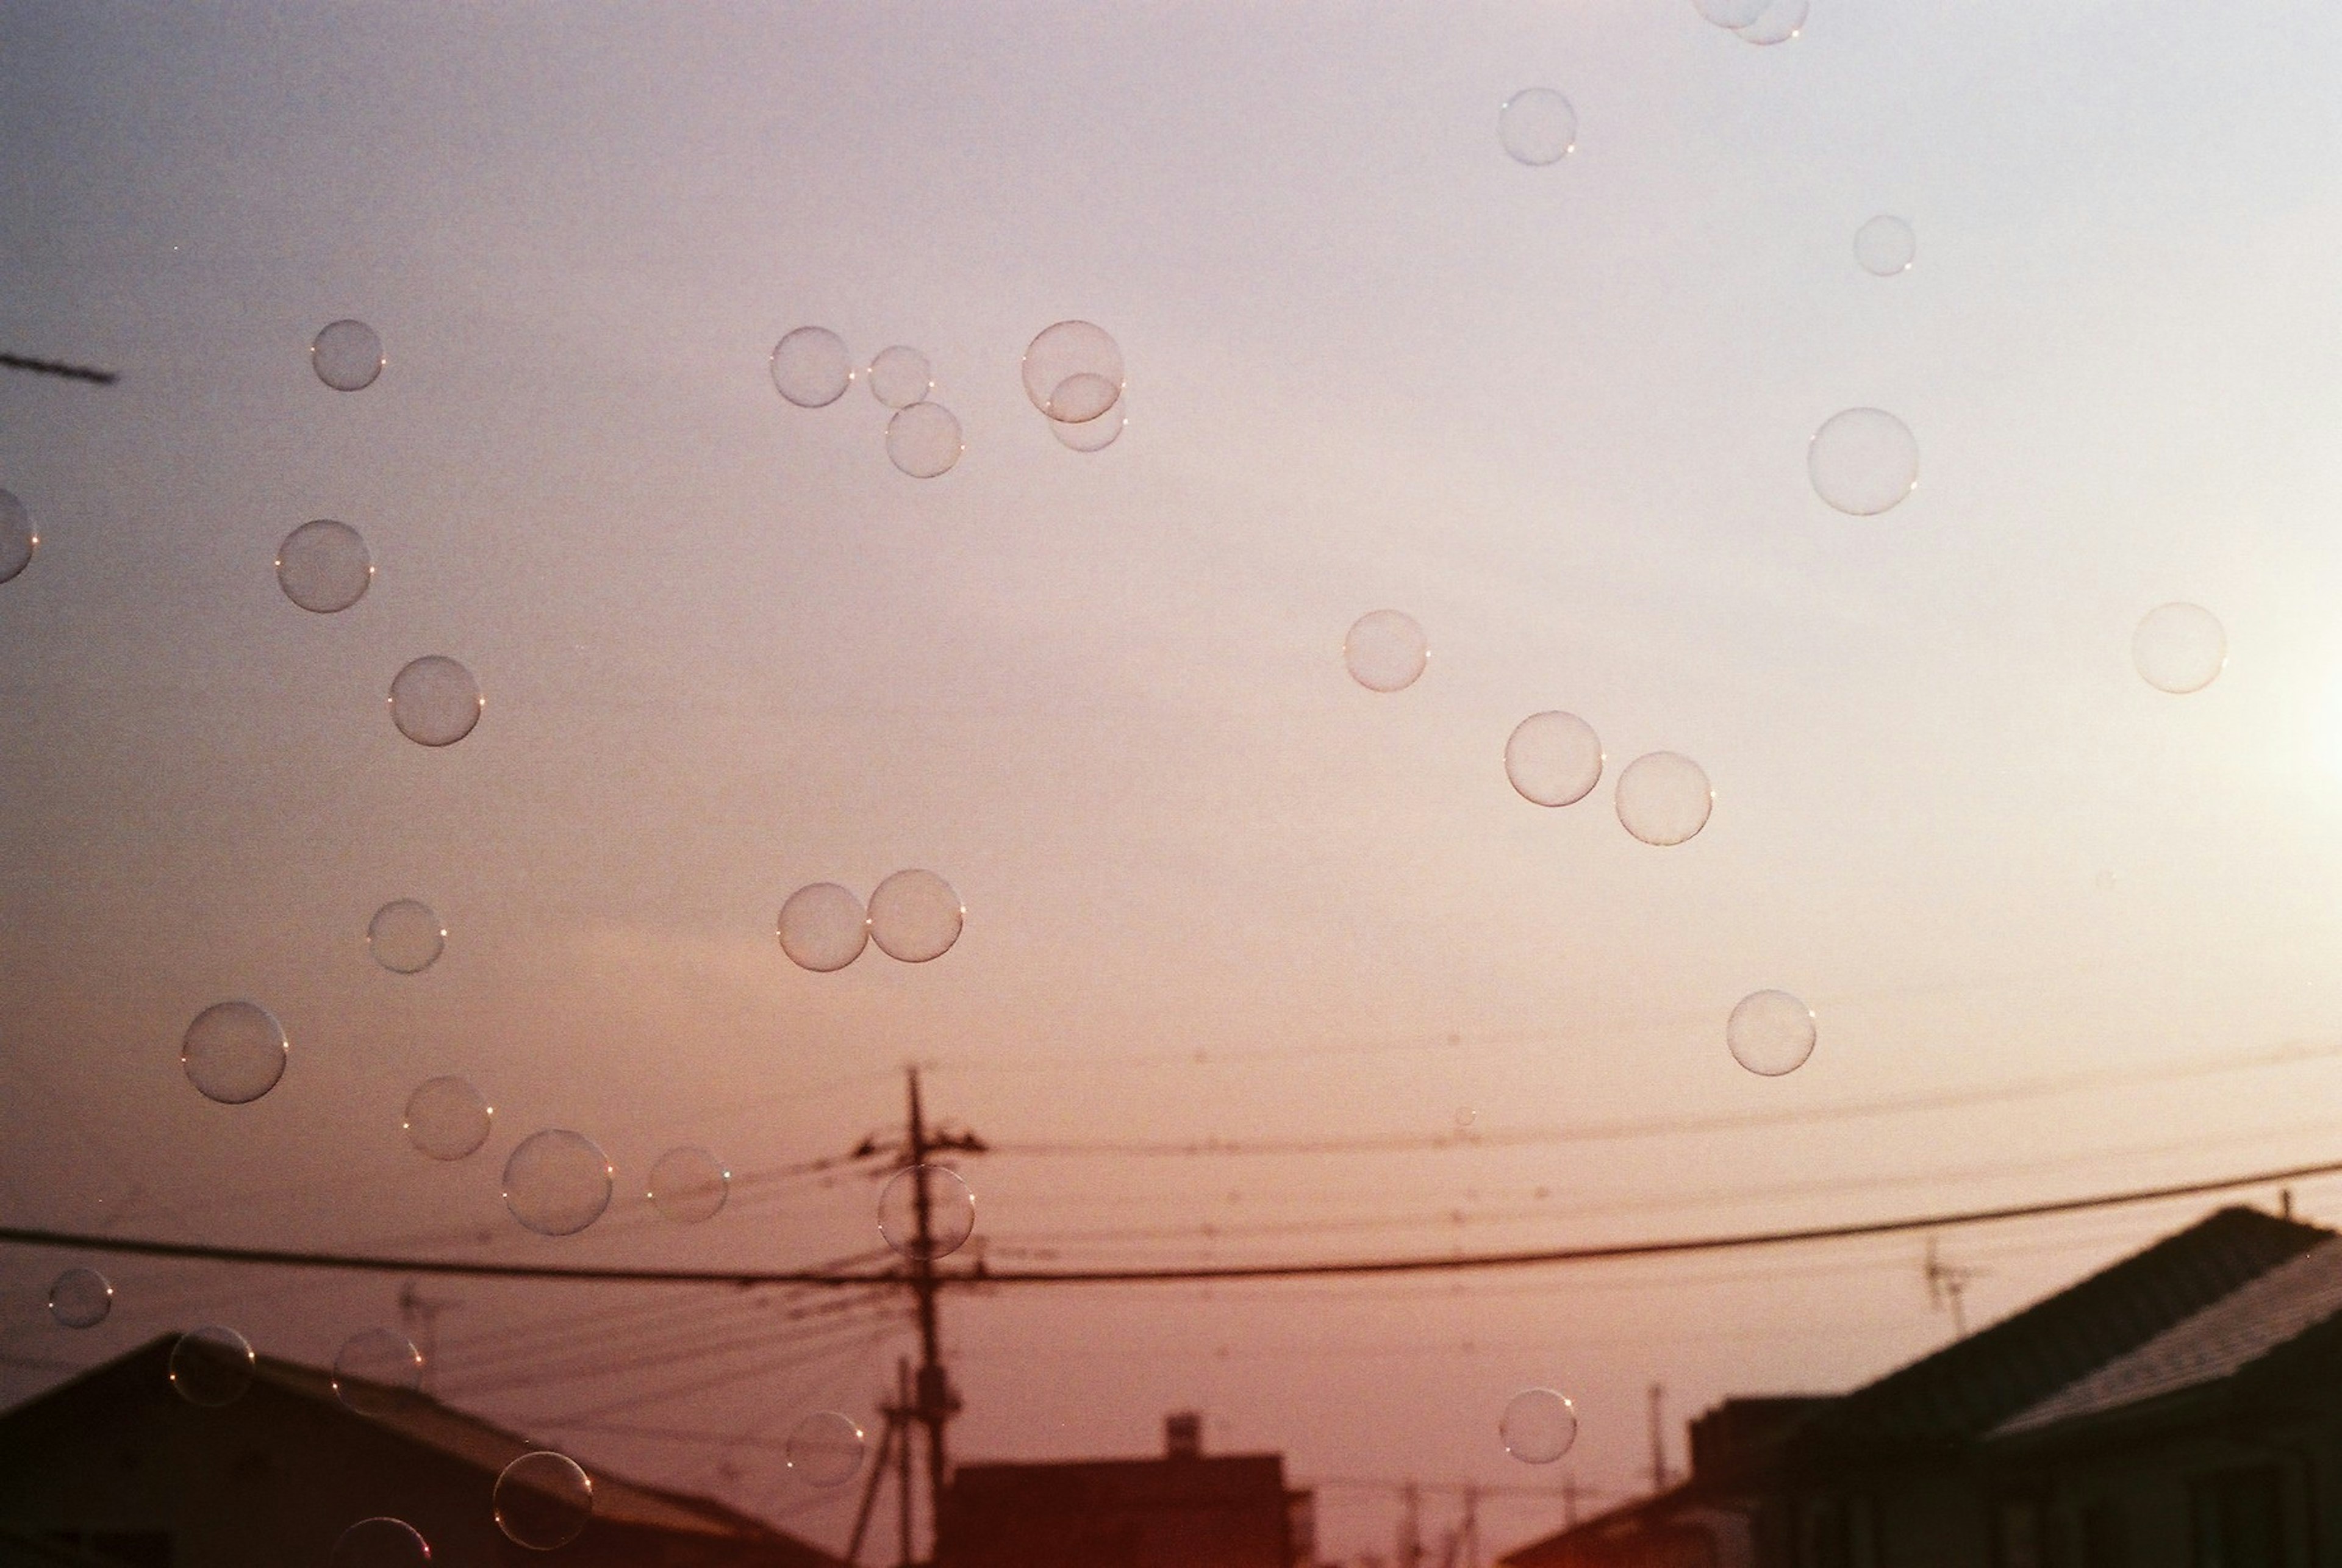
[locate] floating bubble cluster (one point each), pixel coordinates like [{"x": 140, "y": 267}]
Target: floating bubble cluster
[
  {"x": 1538, "y": 1425},
  {"x": 688, "y": 1186},
  {"x": 346, "y": 355},
  {"x": 324, "y": 567},
  {"x": 377, "y": 1371},
  {"x": 212, "y": 1366},
  {"x": 446, "y": 1118},
  {"x": 557, "y": 1183},
  {"x": 543, "y": 1501},
  {"x": 1072, "y": 373},
  {"x": 382, "y": 1542},
  {"x": 825, "y": 1449},
  {"x": 950, "y": 1211},
  {"x": 234, "y": 1051},
  {"x": 80, "y": 1298},
  {"x": 1770, "y": 1032},
  {"x": 1537, "y": 126},
  {"x": 1385, "y": 650},
  {"x": 2179, "y": 648}
]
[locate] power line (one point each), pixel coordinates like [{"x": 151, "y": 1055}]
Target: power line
[{"x": 59, "y": 368}]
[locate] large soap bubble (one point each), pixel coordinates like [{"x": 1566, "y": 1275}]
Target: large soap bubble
[
  {"x": 446, "y": 1118},
  {"x": 543, "y": 1501},
  {"x": 1064, "y": 351},
  {"x": 688, "y": 1186},
  {"x": 811, "y": 367},
  {"x": 346, "y": 355},
  {"x": 1553, "y": 758},
  {"x": 1770, "y": 1032},
  {"x": 1537, "y": 126},
  {"x": 1863, "y": 461},
  {"x": 17, "y": 538},
  {"x": 234, "y": 1051},
  {"x": 1538, "y": 1425},
  {"x": 212, "y": 1366},
  {"x": 1664, "y": 798},
  {"x": 916, "y": 916},
  {"x": 823, "y": 927},
  {"x": 324, "y": 567},
  {"x": 434, "y": 700},
  {"x": 2179, "y": 648},
  {"x": 1386, "y": 650},
  {"x": 557, "y": 1183},
  {"x": 951, "y": 1212}
]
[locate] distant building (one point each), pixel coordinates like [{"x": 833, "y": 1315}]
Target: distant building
[
  {"x": 114, "y": 1470},
  {"x": 1184, "y": 1510}
]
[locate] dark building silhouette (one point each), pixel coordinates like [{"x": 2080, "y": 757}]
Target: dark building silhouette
[{"x": 114, "y": 1470}]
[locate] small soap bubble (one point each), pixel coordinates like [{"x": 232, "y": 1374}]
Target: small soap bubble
[
  {"x": 380, "y": 1543},
  {"x": 1780, "y": 21},
  {"x": 688, "y": 1186},
  {"x": 901, "y": 376},
  {"x": 17, "y": 539},
  {"x": 1465, "y": 1118},
  {"x": 406, "y": 937},
  {"x": 447, "y": 1118},
  {"x": 2179, "y": 648},
  {"x": 1554, "y": 759},
  {"x": 951, "y": 1212},
  {"x": 212, "y": 1366},
  {"x": 234, "y": 1051},
  {"x": 811, "y": 367},
  {"x": 1386, "y": 650},
  {"x": 543, "y": 1501},
  {"x": 1537, "y": 126},
  {"x": 1664, "y": 799},
  {"x": 346, "y": 355},
  {"x": 1538, "y": 1425},
  {"x": 922, "y": 440},
  {"x": 1863, "y": 461},
  {"x": 823, "y": 927},
  {"x": 915, "y": 916},
  {"x": 80, "y": 1298},
  {"x": 1097, "y": 434},
  {"x": 557, "y": 1183},
  {"x": 825, "y": 1449},
  {"x": 1885, "y": 246},
  {"x": 1770, "y": 1032},
  {"x": 1061, "y": 351},
  {"x": 1733, "y": 14},
  {"x": 322, "y": 566},
  {"x": 434, "y": 700},
  {"x": 377, "y": 1371},
  {"x": 1081, "y": 398}
]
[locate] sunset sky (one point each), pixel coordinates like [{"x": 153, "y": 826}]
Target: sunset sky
[{"x": 1216, "y": 889}]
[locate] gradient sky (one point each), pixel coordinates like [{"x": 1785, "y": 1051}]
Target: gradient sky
[{"x": 1215, "y": 888}]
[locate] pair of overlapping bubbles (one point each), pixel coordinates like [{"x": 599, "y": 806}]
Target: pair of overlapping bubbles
[
  {"x": 812, "y": 368},
  {"x": 1756, "y": 21},
  {"x": 557, "y": 1182},
  {"x": 1074, "y": 374},
  {"x": 913, "y": 915},
  {"x": 1555, "y": 759}
]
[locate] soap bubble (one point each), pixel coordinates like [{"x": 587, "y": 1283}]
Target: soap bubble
[
  {"x": 406, "y": 937},
  {"x": 1734, "y": 14},
  {"x": 1553, "y": 758},
  {"x": 377, "y": 1371},
  {"x": 1538, "y": 1425},
  {"x": 811, "y": 367},
  {"x": 346, "y": 355},
  {"x": 1863, "y": 461},
  {"x": 234, "y": 1051},
  {"x": 446, "y": 1118},
  {"x": 901, "y": 376},
  {"x": 1097, "y": 434},
  {"x": 688, "y": 1186},
  {"x": 434, "y": 700},
  {"x": 557, "y": 1183},
  {"x": 1537, "y": 126},
  {"x": 1770, "y": 1032},
  {"x": 1082, "y": 397},
  {"x": 543, "y": 1501},
  {"x": 322, "y": 566},
  {"x": 380, "y": 1543},
  {"x": 1386, "y": 650},
  {"x": 1781, "y": 20},
  {"x": 2179, "y": 648},
  {"x": 1059, "y": 352},
  {"x": 212, "y": 1366},
  {"x": 823, "y": 927},
  {"x": 951, "y": 1212},
  {"x": 825, "y": 1449},
  {"x": 1664, "y": 798},
  {"x": 80, "y": 1298},
  {"x": 922, "y": 440},
  {"x": 17, "y": 540},
  {"x": 915, "y": 916},
  {"x": 1884, "y": 245}
]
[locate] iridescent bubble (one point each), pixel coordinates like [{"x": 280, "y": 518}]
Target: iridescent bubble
[
  {"x": 1664, "y": 798},
  {"x": 1386, "y": 650},
  {"x": 17, "y": 539},
  {"x": 434, "y": 700},
  {"x": 811, "y": 367},
  {"x": 212, "y": 1366},
  {"x": 377, "y": 1371},
  {"x": 1553, "y": 758},
  {"x": 406, "y": 937},
  {"x": 1863, "y": 461},
  {"x": 922, "y": 440},
  {"x": 234, "y": 1051},
  {"x": 1537, "y": 126},
  {"x": 1781, "y": 20},
  {"x": 1097, "y": 434},
  {"x": 346, "y": 355},
  {"x": 2179, "y": 648},
  {"x": 1058, "y": 353},
  {"x": 915, "y": 916},
  {"x": 380, "y": 1543},
  {"x": 950, "y": 1211},
  {"x": 80, "y": 1298},
  {"x": 825, "y": 1449},
  {"x": 1538, "y": 1425},
  {"x": 1734, "y": 14},
  {"x": 1884, "y": 246},
  {"x": 543, "y": 1501},
  {"x": 901, "y": 376},
  {"x": 446, "y": 1118},
  {"x": 557, "y": 1183},
  {"x": 322, "y": 566},
  {"x": 1081, "y": 398},
  {"x": 688, "y": 1186},
  {"x": 823, "y": 927},
  {"x": 1770, "y": 1032}
]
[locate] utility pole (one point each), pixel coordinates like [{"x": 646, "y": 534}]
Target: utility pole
[
  {"x": 1410, "y": 1528},
  {"x": 935, "y": 1403},
  {"x": 1659, "y": 1439},
  {"x": 902, "y": 1456},
  {"x": 1471, "y": 1525}
]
